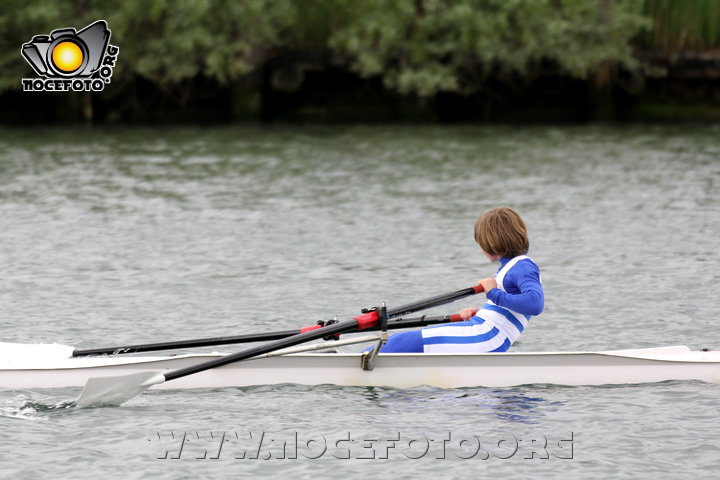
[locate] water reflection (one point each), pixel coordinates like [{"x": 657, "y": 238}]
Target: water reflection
[{"x": 516, "y": 405}]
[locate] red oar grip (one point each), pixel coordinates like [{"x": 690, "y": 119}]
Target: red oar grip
[
  {"x": 478, "y": 288},
  {"x": 367, "y": 320},
  {"x": 309, "y": 328}
]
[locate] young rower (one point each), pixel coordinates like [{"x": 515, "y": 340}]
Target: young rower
[{"x": 513, "y": 295}]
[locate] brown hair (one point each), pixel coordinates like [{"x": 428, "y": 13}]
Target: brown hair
[{"x": 501, "y": 231}]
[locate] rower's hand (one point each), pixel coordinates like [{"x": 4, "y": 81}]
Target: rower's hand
[
  {"x": 488, "y": 284},
  {"x": 467, "y": 313}
]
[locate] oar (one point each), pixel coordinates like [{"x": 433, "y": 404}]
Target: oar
[
  {"x": 119, "y": 389},
  {"x": 21, "y": 351},
  {"x": 247, "y": 338},
  {"x": 400, "y": 323},
  {"x": 198, "y": 342}
]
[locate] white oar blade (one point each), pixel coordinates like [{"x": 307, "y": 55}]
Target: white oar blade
[{"x": 108, "y": 391}]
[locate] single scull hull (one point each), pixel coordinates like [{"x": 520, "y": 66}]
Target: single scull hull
[{"x": 394, "y": 370}]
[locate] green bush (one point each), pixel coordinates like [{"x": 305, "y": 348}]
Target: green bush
[{"x": 416, "y": 46}]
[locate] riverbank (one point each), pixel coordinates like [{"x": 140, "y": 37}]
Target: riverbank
[{"x": 679, "y": 87}]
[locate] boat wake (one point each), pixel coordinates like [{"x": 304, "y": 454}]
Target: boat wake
[{"x": 23, "y": 407}]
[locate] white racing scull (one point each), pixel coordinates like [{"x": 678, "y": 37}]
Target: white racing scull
[{"x": 402, "y": 370}]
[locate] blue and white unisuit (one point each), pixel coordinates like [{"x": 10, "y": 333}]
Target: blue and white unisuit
[{"x": 494, "y": 328}]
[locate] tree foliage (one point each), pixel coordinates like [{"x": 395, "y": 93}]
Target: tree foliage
[
  {"x": 415, "y": 46},
  {"x": 168, "y": 41},
  {"x": 432, "y": 45},
  {"x": 165, "y": 41}
]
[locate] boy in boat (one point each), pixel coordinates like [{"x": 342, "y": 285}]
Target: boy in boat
[{"x": 513, "y": 296}]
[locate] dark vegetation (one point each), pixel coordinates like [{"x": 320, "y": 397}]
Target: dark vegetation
[{"x": 379, "y": 60}]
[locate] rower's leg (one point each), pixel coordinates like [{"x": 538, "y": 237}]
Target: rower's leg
[{"x": 404, "y": 342}]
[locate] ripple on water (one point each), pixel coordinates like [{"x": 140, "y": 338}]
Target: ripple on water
[{"x": 144, "y": 235}]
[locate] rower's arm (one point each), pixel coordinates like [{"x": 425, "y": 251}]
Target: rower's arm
[{"x": 529, "y": 298}]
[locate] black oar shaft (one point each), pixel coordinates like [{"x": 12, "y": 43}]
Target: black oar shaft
[
  {"x": 269, "y": 336},
  {"x": 248, "y": 338},
  {"x": 200, "y": 342},
  {"x": 415, "y": 322},
  {"x": 433, "y": 301},
  {"x": 266, "y": 348},
  {"x": 293, "y": 340}
]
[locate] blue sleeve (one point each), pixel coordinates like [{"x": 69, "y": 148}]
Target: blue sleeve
[{"x": 524, "y": 290}]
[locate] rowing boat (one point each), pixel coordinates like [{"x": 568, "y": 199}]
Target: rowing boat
[{"x": 401, "y": 370}]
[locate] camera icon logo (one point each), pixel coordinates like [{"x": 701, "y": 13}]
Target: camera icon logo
[{"x": 67, "y": 54}]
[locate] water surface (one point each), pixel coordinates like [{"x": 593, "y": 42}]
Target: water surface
[{"x": 112, "y": 236}]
